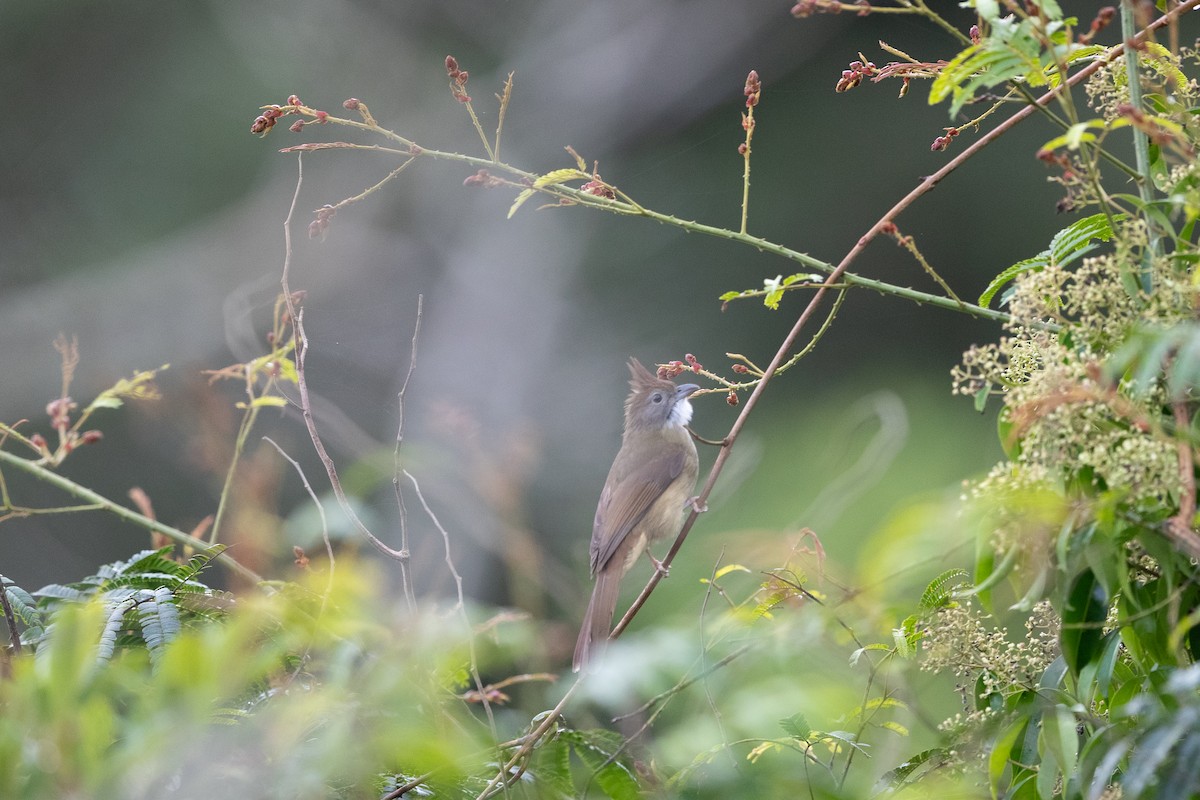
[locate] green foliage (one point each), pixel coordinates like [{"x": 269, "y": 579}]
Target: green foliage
[
  {"x": 1068, "y": 245},
  {"x": 1071, "y": 648},
  {"x": 1022, "y": 50},
  {"x": 1091, "y": 521},
  {"x": 288, "y": 694},
  {"x": 940, "y": 590},
  {"x": 141, "y": 598}
]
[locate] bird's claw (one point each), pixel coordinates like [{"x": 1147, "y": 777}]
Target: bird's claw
[
  {"x": 659, "y": 566},
  {"x": 695, "y": 504}
]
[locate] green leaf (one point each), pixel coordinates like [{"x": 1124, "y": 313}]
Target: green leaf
[
  {"x": 1076, "y": 135},
  {"x": 1058, "y": 733},
  {"x": 520, "y": 201},
  {"x": 991, "y": 576},
  {"x": 1069, "y": 244},
  {"x": 595, "y": 748},
  {"x": 23, "y": 605},
  {"x": 940, "y": 590},
  {"x": 112, "y": 627},
  {"x": 1162, "y": 61},
  {"x": 895, "y": 777},
  {"x": 158, "y": 617},
  {"x": 1107, "y": 662},
  {"x": 1038, "y": 262},
  {"x": 981, "y": 397},
  {"x": 796, "y": 726},
  {"x": 1083, "y": 616},
  {"x": 997, "y": 763},
  {"x": 552, "y": 766}
]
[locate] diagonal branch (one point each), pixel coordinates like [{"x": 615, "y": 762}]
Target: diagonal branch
[{"x": 883, "y": 224}]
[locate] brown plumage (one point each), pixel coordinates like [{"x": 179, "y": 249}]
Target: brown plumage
[{"x": 643, "y": 499}]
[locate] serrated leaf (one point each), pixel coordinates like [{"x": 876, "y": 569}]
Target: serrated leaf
[
  {"x": 552, "y": 766},
  {"x": 796, "y": 726},
  {"x": 559, "y": 176},
  {"x": 1068, "y": 243},
  {"x": 613, "y": 777},
  {"x": 520, "y": 201},
  {"x": 22, "y": 603},
  {"x": 1161, "y": 60},
  {"x": 158, "y": 617},
  {"x": 1030, "y": 264},
  {"x": 941, "y": 589}
]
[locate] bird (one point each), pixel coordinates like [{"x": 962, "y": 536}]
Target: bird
[{"x": 648, "y": 487}]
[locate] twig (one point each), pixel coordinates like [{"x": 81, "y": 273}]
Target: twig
[
  {"x": 839, "y": 273},
  {"x": 684, "y": 684},
  {"x": 627, "y": 207},
  {"x": 1179, "y": 527},
  {"x": 886, "y": 220},
  {"x": 320, "y": 511},
  {"x": 504, "y": 98},
  {"x": 404, "y": 789},
  {"x": 405, "y": 573},
  {"x": 712, "y": 702},
  {"x": 461, "y": 606},
  {"x": 661, "y": 698},
  {"x": 549, "y": 719},
  {"x": 297, "y": 316},
  {"x": 100, "y": 502}
]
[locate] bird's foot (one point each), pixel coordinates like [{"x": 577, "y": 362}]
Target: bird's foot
[
  {"x": 695, "y": 504},
  {"x": 659, "y": 566}
]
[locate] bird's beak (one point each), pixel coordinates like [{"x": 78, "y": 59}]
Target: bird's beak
[{"x": 684, "y": 389}]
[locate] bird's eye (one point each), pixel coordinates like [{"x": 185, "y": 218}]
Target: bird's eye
[{"x": 656, "y": 397}]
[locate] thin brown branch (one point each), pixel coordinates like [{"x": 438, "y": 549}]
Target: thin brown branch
[
  {"x": 708, "y": 695},
  {"x": 549, "y": 719},
  {"x": 1179, "y": 527},
  {"x": 320, "y": 512},
  {"x": 461, "y": 607},
  {"x": 296, "y": 314},
  {"x": 880, "y": 226},
  {"x": 406, "y": 555}
]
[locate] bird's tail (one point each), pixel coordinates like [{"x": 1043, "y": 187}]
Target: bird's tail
[{"x": 597, "y": 622}]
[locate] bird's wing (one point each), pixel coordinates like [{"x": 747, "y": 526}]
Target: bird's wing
[{"x": 625, "y": 502}]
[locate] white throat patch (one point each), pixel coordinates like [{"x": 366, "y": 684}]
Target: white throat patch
[{"x": 681, "y": 414}]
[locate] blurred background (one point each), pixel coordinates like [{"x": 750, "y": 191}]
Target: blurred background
[{"x": 138, "y": 213}]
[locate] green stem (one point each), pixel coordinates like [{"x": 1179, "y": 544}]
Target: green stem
[
  {"x": 84, "y": 493},
  {"x": 1141, "y": 143},
  {"x": 239, "y": 446},
  {"x": 632, "y": 209}
]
